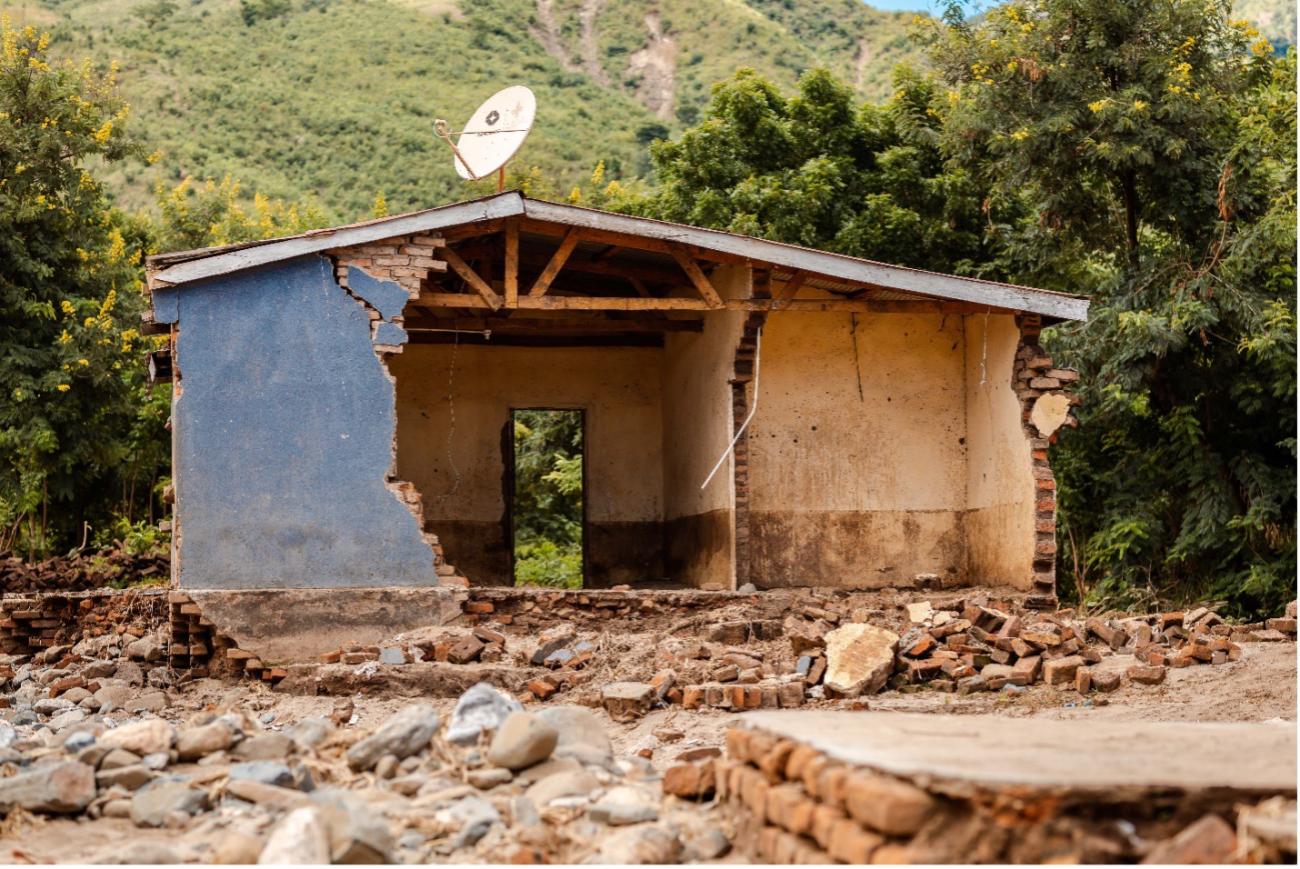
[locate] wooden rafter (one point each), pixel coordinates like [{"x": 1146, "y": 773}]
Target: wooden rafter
[
  {"x": 600, "y": 303},
  {"x": 571, "y": 324},
  {"x": 543, "y": 282},
  {"x": 784, "y": 295},
  {"x": 697, "y": 276},
  {"x": 471, "y": 277},
  {"x": 512, "y": 264}
]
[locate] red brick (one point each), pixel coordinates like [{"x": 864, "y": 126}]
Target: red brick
[{"x": 695, "y": 781}]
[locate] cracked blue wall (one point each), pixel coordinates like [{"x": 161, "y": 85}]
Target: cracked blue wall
[{"x": 284, "y": 435}]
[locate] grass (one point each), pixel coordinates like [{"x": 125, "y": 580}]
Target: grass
[{"x": 333, "y": 101}]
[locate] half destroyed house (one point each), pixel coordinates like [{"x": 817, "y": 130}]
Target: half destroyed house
[{"x": 752, "y": 412}]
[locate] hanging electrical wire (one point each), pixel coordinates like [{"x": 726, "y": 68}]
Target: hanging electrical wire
[{"x": 753, "y": 408}]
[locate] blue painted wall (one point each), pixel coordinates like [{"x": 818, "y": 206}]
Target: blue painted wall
[{"x": 284, "y": 434}]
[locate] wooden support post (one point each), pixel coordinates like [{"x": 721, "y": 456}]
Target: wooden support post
[
  {"x": 512, "y": 264},
  {"x": 697, "y": 276},
  {"x": 570, "y": 241},
  {"x": 460, "y": 267}
]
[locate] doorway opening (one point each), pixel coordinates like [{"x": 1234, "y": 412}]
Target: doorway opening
[{"x": 547, "y": 497}]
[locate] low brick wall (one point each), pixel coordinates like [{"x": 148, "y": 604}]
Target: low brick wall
[{"x": 32, "y": 623}]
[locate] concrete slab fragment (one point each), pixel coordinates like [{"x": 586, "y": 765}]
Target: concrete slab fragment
[{"x": 962, "y": 753}]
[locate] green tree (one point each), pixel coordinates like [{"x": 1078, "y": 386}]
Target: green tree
[
  {"x": 69, "y": 300},
  {"x": 548, "y": 497},
  {"x": 206, "y": 214},
  {"x": 1145, "y": 153},
  {"x": 817, "y": 169}
]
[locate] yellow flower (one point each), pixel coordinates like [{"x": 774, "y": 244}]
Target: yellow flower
[
  {"x": 63, "y": 387},
  {"x": 66, "y": 307},
  {"x": 1097, "y": 106},
  {"x": 83, "y": 362},
  {"x": 1021, "y": 134},
  {"x": 65, "y": 338},
  {"x": 102, "y": 134},
  {"x": 1139, "y": 105}
]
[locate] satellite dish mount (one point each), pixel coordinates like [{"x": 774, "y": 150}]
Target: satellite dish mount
[{"x": 492, "y": 135}]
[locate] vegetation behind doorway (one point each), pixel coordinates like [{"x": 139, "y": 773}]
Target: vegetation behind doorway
[{"x": 547, "y": 507}]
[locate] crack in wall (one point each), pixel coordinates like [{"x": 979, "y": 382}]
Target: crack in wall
[{"x": 384, "y": 301}]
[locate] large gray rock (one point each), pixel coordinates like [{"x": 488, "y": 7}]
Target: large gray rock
[
  {"x": 138, "y": 854},
  {"x": 56, "y": 787},
  {"x": 358, "y": 834},
  {"x": 130, "y": 777},
  {"x": 582, "y": 735},
  {"x": 112, "y": 697},
  {"x": 622, "y": 806},
  {"x": 193, "y": 743},
  {"x": 569, "y": 783},
  {"x": 406, "y": 733},
  {"x": 264, "y": 746},
  {"x": 474, "y": 816},
  {"x": 641, "y": 845},
  {"x": 310, "y": 732},
  {"x": 521, "y": 741},
  {"x": 301, "y": 838},
  {"x": 141, "y": 737},
  {"x": 144, "y": 649},
  {"x": 481, "y": 708},
  {"x": 155, "y": 801},
  {"x": 268, "y": 772},
  {"x": 859, "y": 659}
]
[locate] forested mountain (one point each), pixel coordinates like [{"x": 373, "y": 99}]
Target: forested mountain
[{"x": 334, "y": 100}]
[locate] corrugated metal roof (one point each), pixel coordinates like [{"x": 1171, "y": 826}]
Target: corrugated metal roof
[{"x": 832, "y": 271}]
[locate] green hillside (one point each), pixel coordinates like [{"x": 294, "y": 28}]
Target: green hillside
[{"x": 334, "y": 100}]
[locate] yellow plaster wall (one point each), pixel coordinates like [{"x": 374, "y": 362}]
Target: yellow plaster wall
[
  {"x": 999, "y": 478},
  {"x": 697, "y": 427},
  {"x": 862, "y": 489},
  {"x": 618, "y": 387}
]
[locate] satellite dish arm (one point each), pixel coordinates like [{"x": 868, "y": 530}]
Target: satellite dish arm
[{"x": 443, "y": 132}]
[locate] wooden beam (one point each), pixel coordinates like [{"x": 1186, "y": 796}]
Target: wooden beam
[
  {"x": 860, "y": 306},
  {"x": 697, "y": 276},
  {"x": 599, "y": 303},
  {"x": 460, "y": 267},
  {"x": 640, "y": 287},
  {"x": 543, "y": 282},
  {"x": 512, "y": 264},
  {"x": 541, "y": 339},
  {"x": 788, "y": 290},
  {"x": 631, "y": 242},
  {"x": 535, "y": 325}
]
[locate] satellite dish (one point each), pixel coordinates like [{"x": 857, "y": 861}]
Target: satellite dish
[{"x": 493, "y": 133}]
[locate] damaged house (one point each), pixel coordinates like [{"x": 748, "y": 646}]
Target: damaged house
[{"x": 753, "y": 412}]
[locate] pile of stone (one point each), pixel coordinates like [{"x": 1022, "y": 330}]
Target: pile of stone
[
  {"x": 981, "y": 648},
  {"x": 493, "y": 783}
]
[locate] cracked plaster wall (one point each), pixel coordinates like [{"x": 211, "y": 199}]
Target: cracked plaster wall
[{"x": 284, "y": 423}]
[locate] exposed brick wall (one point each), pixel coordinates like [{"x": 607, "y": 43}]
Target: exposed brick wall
[
  {"x": 740, "y": 406},
  {"x": 404, "y": 260},
  {"x": 1034, "y": 376}
]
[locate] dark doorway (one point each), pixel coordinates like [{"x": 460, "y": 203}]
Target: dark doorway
[{"x": 547, "y": 497}]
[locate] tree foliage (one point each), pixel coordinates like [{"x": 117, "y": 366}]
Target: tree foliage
[
  {"x": 548, "y": 497},
  {"x": 820, "y": 170},
  {"x": 1144, "y": 153},
  {"x": 71, "y": 440},
  {"x": 205, "y": 214}
]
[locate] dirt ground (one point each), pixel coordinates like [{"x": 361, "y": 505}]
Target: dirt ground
[{"x": 1260, "y": 686}]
